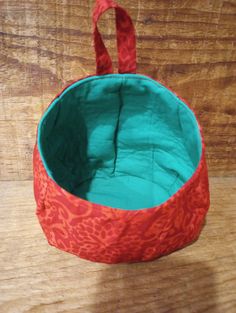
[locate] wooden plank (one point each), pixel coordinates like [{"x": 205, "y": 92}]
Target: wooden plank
[
  {"x": 187, "y": 45},
  {"x": 17, "y": 142},
  {"x": 37, "y": 278}
]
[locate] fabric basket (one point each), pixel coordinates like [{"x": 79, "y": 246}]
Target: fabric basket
[{"x": 119, "y": 163}]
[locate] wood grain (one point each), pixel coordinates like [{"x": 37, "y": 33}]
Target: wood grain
[
  {"x": 188, "y": 45},
  {"x": 38, "y": 278}
]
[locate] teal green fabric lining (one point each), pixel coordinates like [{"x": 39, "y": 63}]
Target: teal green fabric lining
[{"x": 121, "y": 140}]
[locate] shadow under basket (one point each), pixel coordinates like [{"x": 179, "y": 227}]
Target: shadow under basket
[{"x": 119, "y": 164}]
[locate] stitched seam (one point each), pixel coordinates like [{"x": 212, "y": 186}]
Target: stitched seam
[{"x": 117, "y": 126}]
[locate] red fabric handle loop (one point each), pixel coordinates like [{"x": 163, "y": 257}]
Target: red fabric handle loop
[{"x": 126, "y": 41}]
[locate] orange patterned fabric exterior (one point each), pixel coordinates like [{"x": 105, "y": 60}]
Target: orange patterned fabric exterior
[{"x": 105, "y": 234}]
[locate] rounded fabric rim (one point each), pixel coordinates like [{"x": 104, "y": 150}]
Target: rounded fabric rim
[{"x": 105, "y": 139}]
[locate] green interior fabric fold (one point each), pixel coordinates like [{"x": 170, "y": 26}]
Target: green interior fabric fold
[{"x": 121, "y": 140}]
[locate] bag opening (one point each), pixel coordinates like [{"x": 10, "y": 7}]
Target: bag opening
[{"x": 120, "y": 140}]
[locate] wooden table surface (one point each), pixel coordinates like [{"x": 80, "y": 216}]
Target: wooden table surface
[
  {"x": 45, "y": 45},
  {"x": 35, "y": 277}
]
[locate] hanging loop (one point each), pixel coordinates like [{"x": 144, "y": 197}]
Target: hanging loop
[{"x": 126, "y": 41}]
